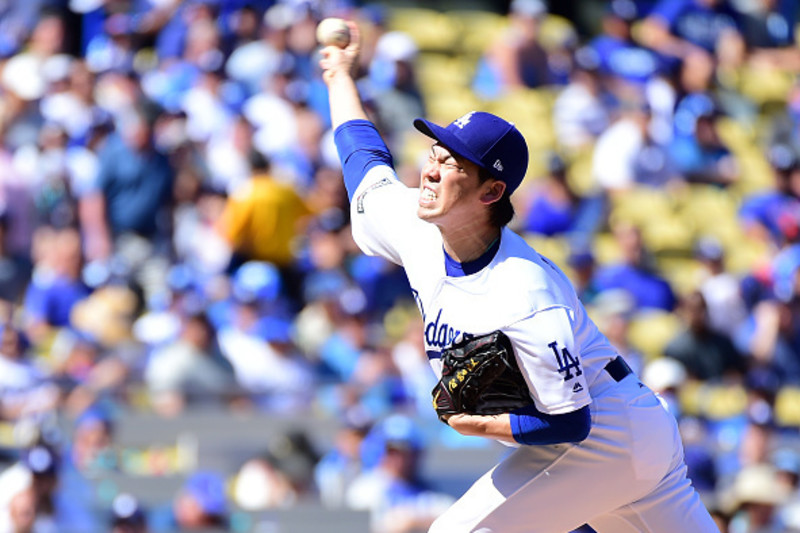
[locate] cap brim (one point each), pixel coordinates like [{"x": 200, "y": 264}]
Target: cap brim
[{"x": 434, "y": 131}]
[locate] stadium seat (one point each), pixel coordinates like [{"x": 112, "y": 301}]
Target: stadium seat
[
  {"x": 787, "y": 407},
  {"x": 650, "y": 331},
  {"x": 432, "y": 30},
  {"x": 554, "y": 248},
  {"x": 478, "y": 29}
]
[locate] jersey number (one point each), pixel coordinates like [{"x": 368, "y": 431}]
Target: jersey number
[{"x": 566, "y": 362}]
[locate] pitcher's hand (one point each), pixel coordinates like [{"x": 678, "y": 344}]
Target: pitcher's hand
[{"x": 341, "y": 61}]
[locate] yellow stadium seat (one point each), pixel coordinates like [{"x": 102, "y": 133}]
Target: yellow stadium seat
[
  {"x": 668, "y": 233},
  {"x": 556, "y": 32},
  {"x": 765, "y": 84},
  {"x": 443, "y": 108},
  {"x": 436, "y": 71},
  {"x": 747, "y": 255},
  {"x": 606, "y": 249},
  {"x": 755, "y": 173},
  {"x": 580, "y": 171},
  {"x": 639, "y": 205},
  {"x": 478, "y": 29},
  {"x": 430, "y": 29},
  {"x": 554, "y": 248},
  {"x": 683, "y": 273},
  {"x": 650, "y": 331},
  {"x": 787, "y": 407}
]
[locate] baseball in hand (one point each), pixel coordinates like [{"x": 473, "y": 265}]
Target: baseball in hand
[{"x": 333, "y": 32}]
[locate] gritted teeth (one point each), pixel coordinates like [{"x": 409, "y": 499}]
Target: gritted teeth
[{"x": 428, "y": 194}]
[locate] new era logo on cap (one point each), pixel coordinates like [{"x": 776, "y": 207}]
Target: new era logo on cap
[{"x": 487, "y": 140}]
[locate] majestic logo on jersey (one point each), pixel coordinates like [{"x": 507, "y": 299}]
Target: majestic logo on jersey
[
  {"x": 463, "y": 121},
  {"x": 377, "y": 185},
  {"x": 566, "y": 362}
]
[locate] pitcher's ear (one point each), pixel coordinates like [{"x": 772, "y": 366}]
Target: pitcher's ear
[{"x": 493, "y": 192}]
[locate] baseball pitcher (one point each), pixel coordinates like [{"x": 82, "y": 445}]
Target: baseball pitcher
[{"x": 518, "y": 358}]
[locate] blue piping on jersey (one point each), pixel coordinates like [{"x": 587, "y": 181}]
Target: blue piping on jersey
[
  {"x": 360, "y": 148},
  {"x": 455, "y": 269}
]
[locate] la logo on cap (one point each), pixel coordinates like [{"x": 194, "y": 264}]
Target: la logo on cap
[{"x": 463, "y": 121}]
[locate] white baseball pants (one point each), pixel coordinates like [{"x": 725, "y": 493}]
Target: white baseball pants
[{"x": 628, "y": 476}]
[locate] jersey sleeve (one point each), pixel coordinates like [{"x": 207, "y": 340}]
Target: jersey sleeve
[
  {"x": 383, "y": 216},
  {"x": 382, "y": 209},
  {"x": 550, "y": 361}
]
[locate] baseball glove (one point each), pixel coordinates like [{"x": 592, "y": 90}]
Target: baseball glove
[{"x": 480, "y": 376}]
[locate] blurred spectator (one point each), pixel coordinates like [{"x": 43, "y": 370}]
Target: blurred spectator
[
  {"x": 626, "y": 154},
  {"x": 200, "y": 504},
  {"x": 699, "y": 458},
  {"x": 196, "y": 240},
  {"x": 409, "y": 357},
  {"x": 581, "y": 109},
  {"x": 190, "y": 370},
  {"x": 621, "y": 59},
  {"x": 341, "y": 464},
  {"x": 392, "y": 490},
  {"x": 260, "y": 485},
  {"x": 755, "y": 498},
  {"x": 554, "y": 208},
  {"x": 256, "y": 338},
  {"x": 706, "y": 354},
  {"x": 768, "y": 32},
  {"x": 393, "y": 79},
  {"x": 582, "y": 264},
  {"x": 787, "y": 466},
  {"x": 268, "y": 366},
  {"x": 635, "y": 272},
  {"x": 683, "y": 27},
  {"x": 702, "y": 156},
  {"x": 24, "y": 388},
  {"x": 760, "y": 212},
  {"x": 27, "y": 504},
  {"x": 229, "y": 157},
  {"x": 127, "y": 515},
  {"x": 775, "y": 341},
  {"x": 112, "y": 49},
  {"x": 666, "y": 376},
  {"x": 56, "y": 285},
  {"x": 614, "y": 311},
  {"x": 516, "y": 59},
  {"x": 720, "y": 289},
  {"x": 128, "y": 212},
  {"x": 90, "y": 452},
  {"x": 786, "y": 263},
  {"x": 262, "y": 218},
  {"x": 279, "y": 477}
]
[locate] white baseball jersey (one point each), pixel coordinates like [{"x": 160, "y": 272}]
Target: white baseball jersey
[
  {"x": 628, "y": 475},
  {"x": 520, "y": 292}
]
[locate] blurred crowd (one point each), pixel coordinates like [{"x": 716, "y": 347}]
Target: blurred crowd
[{"x": 174, "y": 236}]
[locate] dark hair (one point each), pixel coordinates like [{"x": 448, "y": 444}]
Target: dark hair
[
  {"x": 258, "y": 161},
  {"x": 502, "y": 211}
]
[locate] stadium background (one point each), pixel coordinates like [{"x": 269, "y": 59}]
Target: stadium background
[{"x": 190, "y": 335}]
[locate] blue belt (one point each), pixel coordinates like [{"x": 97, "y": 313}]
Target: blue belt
[{"x": 618, "y": 369}]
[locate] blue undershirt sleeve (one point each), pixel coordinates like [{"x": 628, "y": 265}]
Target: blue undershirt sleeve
[
  {"x": 360, "y": 148},
  {"x": 530, "y": 426}
]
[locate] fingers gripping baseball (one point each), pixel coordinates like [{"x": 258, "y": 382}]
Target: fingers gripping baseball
[{"x": 337, "y": 60}]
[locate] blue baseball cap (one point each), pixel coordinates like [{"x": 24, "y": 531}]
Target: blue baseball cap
[
  {"x": 488, "y": 141},
  {"x": 208, "y": 489}
]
